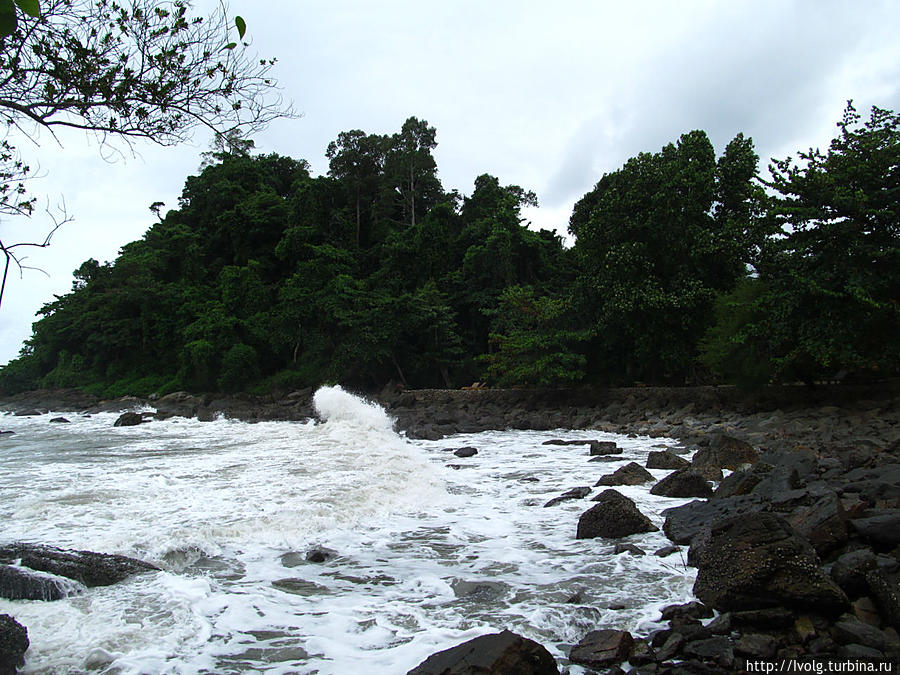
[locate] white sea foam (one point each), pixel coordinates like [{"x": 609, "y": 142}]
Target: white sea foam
[{"x": 426, "y": 555}]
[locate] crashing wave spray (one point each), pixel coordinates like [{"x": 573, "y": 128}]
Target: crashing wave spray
[{"x": 335, "y": 404}]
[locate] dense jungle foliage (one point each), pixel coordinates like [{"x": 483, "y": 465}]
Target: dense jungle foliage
[{"x": 685, "y": 268}]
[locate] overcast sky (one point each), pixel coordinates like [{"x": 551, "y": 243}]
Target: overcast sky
[{"x": 548, "y": 96}]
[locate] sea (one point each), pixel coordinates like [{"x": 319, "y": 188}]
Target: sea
[{"x": 422, "y": 549}]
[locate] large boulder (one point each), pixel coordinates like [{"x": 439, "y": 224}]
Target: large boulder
[
  {"x": 630, "y": 474},
  {"x": 879, "y": 527},
  {"x": 129, "y": 419},
  {"x": 602, "y": 648},
  {"x": 615, "y": 515},
  {"x": 19, "y": 583},
  {"x": 761, "y": 562},
  {"x": 85, "y": 567},
  {"x": 685, "y": 522},
  {"x": 599, "y": 448},
  {"x": 725, "y": 452},
  {"x": 493, "y": 654},
  {"x": 13, "y": 645},
  {"x": 665, "y": 459},
  {"x": 178, "y": 404},
  {"x": 682, "y": 483}
]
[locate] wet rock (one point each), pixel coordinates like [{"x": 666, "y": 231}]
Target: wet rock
[
  {"x": 666, "y": 551},
  {"x": 693, "y": 610},
  {"x": 854, "y": 652},
  {"x": 85, "y": 567},
  {"x": 628, "y": 548},
  {"x": 886, "y": 598},
  {"x": 18, "y": 583},
  {"x": 850, "y": 569},
  {"x": 466, "y": 452},
  {"x": 642, "y": 653},
  {"x": 129, "y": 419},
  {"x": 60, "y": 420},
  {"x": 31, "y": 412},
  {"x": 602, "y": 648},
  {"x": 756, "y": 646},
  {"x": 725, "y": 452},
  {"x": 604, "y": 448},
  {"x": 774, "y": 618},
  {"x": 666, "y": 459},
  {"x": 881, "y": 528},
  {"x": 630, "y": 474},
  {"x": 685, "y": 522},
  {"x": 13, "y": 644},
  {"x": 178, "y": 404},
  {"x": 760, "y": 562},
  {"x": 319, "y": 554},
  {"x": 671, "y": 646},
  {"x": 559, "y": 441},
  {"x": 492, "y": 654},
  {"x": 574, "y": 493},
  {"x": 614, "y": 516},
  {"x": 682, "y": 483},
  {"x": 816, "y": 513},
  {"x": 850, "y": 630},
  {"x": 717, "y": 649}
]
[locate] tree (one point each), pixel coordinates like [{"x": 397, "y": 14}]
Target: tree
[
  {"x": 146, "y": 70},
  {"x": 357, "y": 159},
  {"x": 653, "y": 257},
  {"x": 410, "y": 169},
  {"x": 831, "y": 298}
]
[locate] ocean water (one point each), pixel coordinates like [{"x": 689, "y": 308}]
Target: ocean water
[{"x": 427, "y": 549}]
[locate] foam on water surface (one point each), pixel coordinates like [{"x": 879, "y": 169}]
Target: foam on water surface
[{"x": 428, "y": 549}]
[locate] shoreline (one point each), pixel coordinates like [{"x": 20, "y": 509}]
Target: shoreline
[{"x": 818, "y": 468}]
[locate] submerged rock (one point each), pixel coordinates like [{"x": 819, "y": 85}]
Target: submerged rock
[
  {"x": 493, "y": 654},
  {"x": 604, "y": 448},
  {"x": 13, "y": 644},
  {"x": 614, "y": 516},
  {"x": 466, "y": 452},
  {"x": 574, "y": 493},
  {"x": 18, "y": 583},
  {"x": 85, "y": 567},
  {"x": 129, "y": 419}
]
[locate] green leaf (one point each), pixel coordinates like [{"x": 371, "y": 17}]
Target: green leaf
[
  {"x": 30, "y": 7},
  {"x": 230, "y": 45},
  {"x": 7, "y": 20},
  {"x": 239, "y": 22}
]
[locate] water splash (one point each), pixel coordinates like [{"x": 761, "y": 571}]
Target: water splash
[{"x": 333, "y": 404}]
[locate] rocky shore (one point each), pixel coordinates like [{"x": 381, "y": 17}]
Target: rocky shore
[{"x": 795, "y": 529}]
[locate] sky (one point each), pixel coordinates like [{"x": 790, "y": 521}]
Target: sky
[{"x": 548, "y": 96}]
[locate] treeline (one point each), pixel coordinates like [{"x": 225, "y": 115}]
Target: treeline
[{"x": 686, "y": 268}]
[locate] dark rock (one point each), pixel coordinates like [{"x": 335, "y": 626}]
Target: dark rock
[
  {"x": 615, "y": 515},
  {"x": 685, "y": 522},
  {"x": 885, "y": 595},
  {"x": 666, "y": 551},
  {"x": 865, "y": 610},
  {"x": 628, "y": 548},
  {"x": 559, "y": 441},
  {"x": 319, "y": 554},
  {"x": 60, "y": 420},
  {"x": 666, "y": 459},
  {"x": 850, "y": 630},
  {"x": 178, "y": 404},
  {"x": 13, "y": 644},
  {"x": 670, "y": 647},
  {"x": 849, "y": 571},
  {"x": 466, "y": 452},
  {"x": 129, "y": 419},
  {"x": 682, "y": 483},
  {"x": 630, "y": 474},
  {"x": 881, "y": 528},
  {"x": 760, "y": 562},
  {"x": 756, "y": 646},
  {"x": 800, "y": 461},
  {"x": 605, "y": 448},
  {"x": 694, "y": 610},
  {"x": 602, "y": 648},
  {"x": 18, "y": 583},
  {"x": 856, "y": 652},
  {"x": 642, "y": 653},
  {"x": 85, "y": 567},
  {"x": 7, "y": 433},
  {"x": 821, "y": 520},
  {"x": 725, "y": 452},
  {"x": 492, "y": 654},
  {"x": 717, "y": 649},
  {"x": 574, "y": 493},
  {"x": 31, "y": 412},
  {"x": 774, "y": 618},
  {"x": 721, "y": 625},
  {"x": 616, "y": 606}
]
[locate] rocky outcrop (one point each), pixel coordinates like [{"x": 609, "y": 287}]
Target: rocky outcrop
[
  {"x": 614, "y": 516},
  {"x": 493, "y": 654},
  {"x": 87, "y": 568},
  {"x": 19, "y": 583},
  {"x": 682, "y": 483},
  {"x": 666, "y": 459},
  {"x": 725, "y": 452},
  {"x": 761, "y": 562},
  {"x": 13, "y": 645},
  {"x": 129, "y": 419},
  {"x": 630, "y": 474}
]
